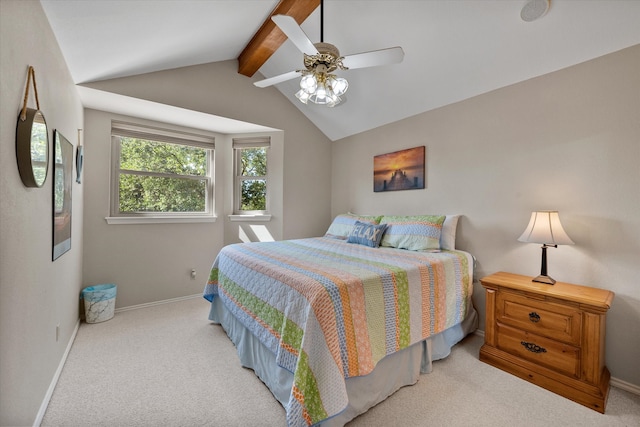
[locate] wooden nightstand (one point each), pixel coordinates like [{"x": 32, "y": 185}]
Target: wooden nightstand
[{"x": 550, "y": 335}]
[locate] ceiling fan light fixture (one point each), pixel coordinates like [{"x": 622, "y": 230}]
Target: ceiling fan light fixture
[{"x": 321, "y": 88}]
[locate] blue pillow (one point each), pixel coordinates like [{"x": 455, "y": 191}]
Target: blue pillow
[{"x": 367, "y": 234}]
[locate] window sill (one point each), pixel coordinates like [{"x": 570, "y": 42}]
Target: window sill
[
  {"x": 158, "y": 220},
  {"x": 251, "y": 218}
]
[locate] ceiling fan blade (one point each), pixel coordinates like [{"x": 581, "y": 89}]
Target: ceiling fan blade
[
  {"x": 392, "y": 55},
  {"x": 277, "y": 79},
  {"x": 292, "y": 30}
]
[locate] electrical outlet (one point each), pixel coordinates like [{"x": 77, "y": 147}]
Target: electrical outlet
[{"x": 57, "y": 332}]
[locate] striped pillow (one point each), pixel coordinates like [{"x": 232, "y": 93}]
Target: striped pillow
[
  {"x": 415, "y": 233},
  {"x": 343, "y": 224}
]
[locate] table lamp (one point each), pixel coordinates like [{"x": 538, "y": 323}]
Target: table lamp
[{"x": 545, "y": 227}]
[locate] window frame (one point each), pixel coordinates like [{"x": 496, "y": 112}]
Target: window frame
[
  {"x": 162, "y": 135},
  {"x": 238, "y": 144}
]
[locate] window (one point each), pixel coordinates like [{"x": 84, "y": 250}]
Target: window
[
  {"x": 160, "y": 173},
  {"x": 251, "y": 177}
]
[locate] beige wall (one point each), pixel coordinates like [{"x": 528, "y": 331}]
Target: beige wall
[
  {"x": 567, "y": 141},
  {"x": 153, "y": 262},
  {"x": 148, "y": 262},
  {"x": 36, "y": 294}
]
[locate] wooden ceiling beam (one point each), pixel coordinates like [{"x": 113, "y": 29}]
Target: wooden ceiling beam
[{"x": 269, "y": 37}]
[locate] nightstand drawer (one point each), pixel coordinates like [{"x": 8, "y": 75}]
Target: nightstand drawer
[
  {"x": 543, "y": 351},
  {"x": 561, "y": 322}
]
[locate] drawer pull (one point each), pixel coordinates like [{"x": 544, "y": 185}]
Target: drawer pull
[
  {"x": 533, "y": 348},
  {"x": 534, "y": 317}
]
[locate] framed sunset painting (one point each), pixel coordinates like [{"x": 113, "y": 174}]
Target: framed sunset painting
[{"x": 400, "y": 170}]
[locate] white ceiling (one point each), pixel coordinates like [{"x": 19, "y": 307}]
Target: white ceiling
[{"x": 454, "y": 49}]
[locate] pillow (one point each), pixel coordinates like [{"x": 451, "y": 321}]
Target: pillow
[
  {"x": 342, "y": 224},
  {"x": 448, "y": 236},
  {"x": 416, "y": 233},
  {"x": 366, "y": 234}
]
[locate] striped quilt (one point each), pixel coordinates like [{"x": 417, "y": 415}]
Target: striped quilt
[{"x": 330, "y": 310}]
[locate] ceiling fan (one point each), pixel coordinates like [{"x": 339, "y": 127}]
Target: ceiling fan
[{"x": 318, "y": 84}]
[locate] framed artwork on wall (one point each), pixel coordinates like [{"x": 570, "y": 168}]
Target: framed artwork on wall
[
  {"x": 79, "y": 157},
  {"x": 62, "y": 183},
  {"x": 400, "y": 170}
]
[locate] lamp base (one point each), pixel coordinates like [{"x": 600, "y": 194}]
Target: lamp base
[{"x": 544, "y": 279}]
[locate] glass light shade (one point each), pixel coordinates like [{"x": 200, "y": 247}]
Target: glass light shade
[
  {"x": 333, "y": 100},
  {"x": 321, "y": 95},
  {"x": 545, "y": 227},
  {"x": 339, "y": 85},
  {"x": 308, "y": 83},
  {"x": 302, "y": 96}
]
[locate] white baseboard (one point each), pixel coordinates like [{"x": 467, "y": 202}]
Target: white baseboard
[
  {"x": 623, "y": 385},
  {"x": 56, "y": 377},
  {"x": 154, "y": 303}
]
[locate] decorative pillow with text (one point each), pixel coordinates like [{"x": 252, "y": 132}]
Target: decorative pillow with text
[{"x": 367, "y": 234}]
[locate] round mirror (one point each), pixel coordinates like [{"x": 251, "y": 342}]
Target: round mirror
[{"x": 32, "y": 148}]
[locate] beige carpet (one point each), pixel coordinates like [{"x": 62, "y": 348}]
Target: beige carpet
[{"x": 167, "y": 365}]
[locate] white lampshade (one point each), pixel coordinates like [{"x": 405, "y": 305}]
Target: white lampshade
[{"x": 545, "y": 227}]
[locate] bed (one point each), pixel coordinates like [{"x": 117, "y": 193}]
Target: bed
[{"x": 334, "y": 325}]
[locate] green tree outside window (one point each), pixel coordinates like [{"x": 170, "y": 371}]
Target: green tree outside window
[
  {"x": 161, "y": 177},
  {"x": 252, "y": 178}
]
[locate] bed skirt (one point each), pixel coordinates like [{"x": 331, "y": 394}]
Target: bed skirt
[{"x": 390, "y": 374}]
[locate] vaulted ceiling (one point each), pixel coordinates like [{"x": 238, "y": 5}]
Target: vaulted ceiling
[{"x": 454, "y": 50}]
